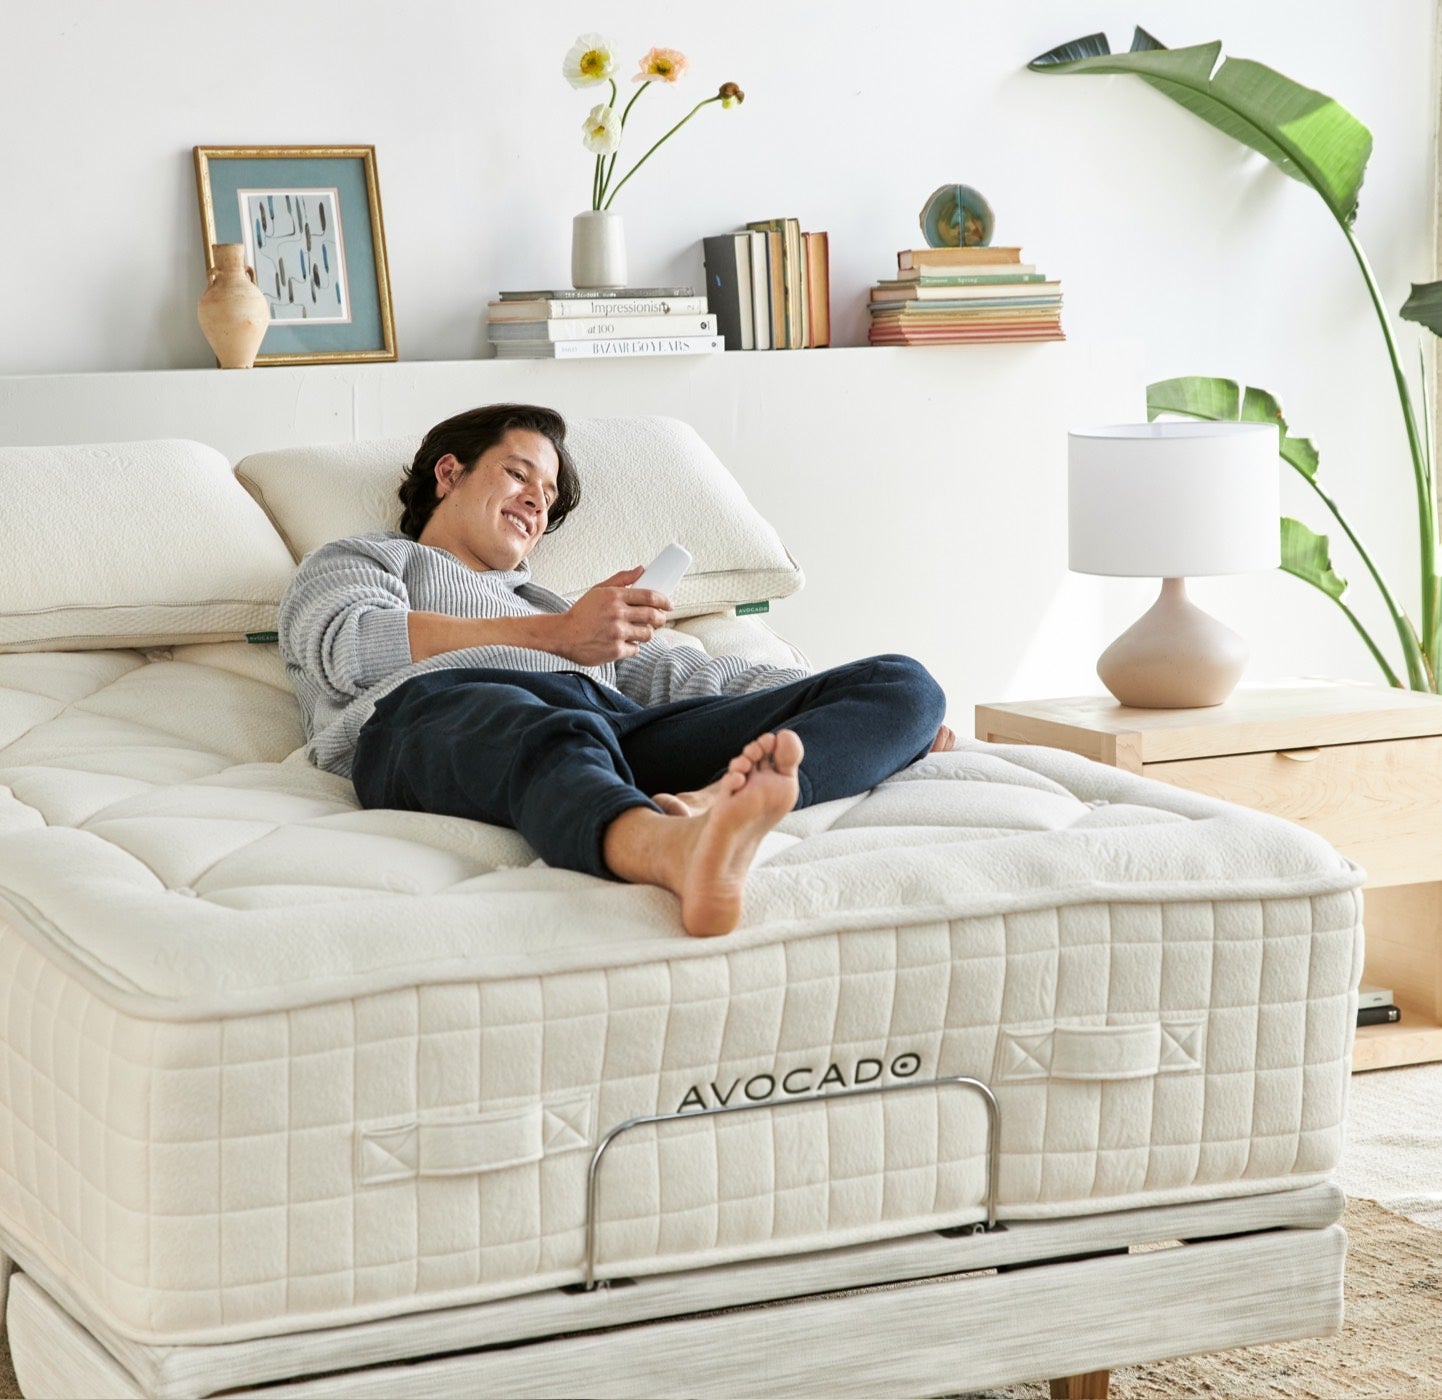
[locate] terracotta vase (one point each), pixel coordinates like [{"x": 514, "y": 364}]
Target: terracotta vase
[
  {"x": 598, "y": 249},
  {"x": 233, "y": 312}
]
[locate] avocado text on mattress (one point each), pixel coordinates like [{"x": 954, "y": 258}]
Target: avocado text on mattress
[{"x": 801, "y": 1079}]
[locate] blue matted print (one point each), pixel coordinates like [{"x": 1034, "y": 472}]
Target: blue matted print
[
  {"x": 293, "y": 241},
  {"x": 311, "y": 235}
]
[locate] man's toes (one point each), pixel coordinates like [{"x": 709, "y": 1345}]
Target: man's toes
[
  {"x": 788, "y": 751},
  {"x": 758, "y": 748}
]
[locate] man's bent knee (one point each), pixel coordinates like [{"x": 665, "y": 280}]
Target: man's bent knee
[{"x": 922, "y": 687}]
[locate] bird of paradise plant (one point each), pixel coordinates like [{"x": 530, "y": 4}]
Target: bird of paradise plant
[
  {"x": 1313, "y": 139},
  {"x": 592, "y": 61}
]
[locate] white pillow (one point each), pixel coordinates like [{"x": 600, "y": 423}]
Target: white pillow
[
  {"x": 644, "y": 483},
  {"x": 132, "y": 544}
]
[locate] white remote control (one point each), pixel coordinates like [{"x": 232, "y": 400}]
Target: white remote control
[{"x": 664, "y": 572}]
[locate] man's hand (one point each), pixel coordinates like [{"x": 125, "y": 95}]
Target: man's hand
[{"x": 610, "y": 621}]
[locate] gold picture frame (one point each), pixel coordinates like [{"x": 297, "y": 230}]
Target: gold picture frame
[{"x": 321, "y": 206}]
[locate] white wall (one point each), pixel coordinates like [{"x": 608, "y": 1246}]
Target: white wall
[
  {"x": 1162, "y": 232},
  {"x": 947, "y": 545}
]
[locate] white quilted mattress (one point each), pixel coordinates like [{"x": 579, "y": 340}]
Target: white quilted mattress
[{"x": 272, "y": 1062}]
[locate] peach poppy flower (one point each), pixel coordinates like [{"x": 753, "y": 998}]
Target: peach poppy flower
[{"x": 661, "y": 65}]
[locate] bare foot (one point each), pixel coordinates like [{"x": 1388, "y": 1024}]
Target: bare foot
[
  {"x": 760, "y": 788},
  {"x": 944, "y": 742},
  {"x": 705, "y": 858}
]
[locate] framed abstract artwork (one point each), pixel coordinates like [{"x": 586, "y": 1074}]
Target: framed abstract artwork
[{"x": 309, "y": 218}]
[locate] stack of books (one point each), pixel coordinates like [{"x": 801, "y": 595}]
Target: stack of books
[
  {"x": 1375, "y": 1006},
  {"x": 561, "y": 323},
  {"x": 770, "y": 286},
  {"x": 947, "y": 296}
]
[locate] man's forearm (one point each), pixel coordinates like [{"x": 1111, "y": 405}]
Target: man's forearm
[{"x": 431, "y": 633}]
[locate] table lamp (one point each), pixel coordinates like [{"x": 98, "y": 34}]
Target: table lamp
[{"x": 1172, "y": 501}]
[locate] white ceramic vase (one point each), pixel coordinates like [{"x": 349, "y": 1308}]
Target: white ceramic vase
[{"x": 598, "y": 249}]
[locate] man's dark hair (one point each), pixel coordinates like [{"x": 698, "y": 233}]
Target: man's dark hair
[{"x": 467, "y": 436}]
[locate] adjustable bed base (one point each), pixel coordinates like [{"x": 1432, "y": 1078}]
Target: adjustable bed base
[
  {"x": 304, "y": 1099},
  {"x": 924, "y": 1315}
]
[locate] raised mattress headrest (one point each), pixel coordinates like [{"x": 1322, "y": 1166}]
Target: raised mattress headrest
[
  {"x": 154, "y": 543},
  {"x": 644, "y": 483}
]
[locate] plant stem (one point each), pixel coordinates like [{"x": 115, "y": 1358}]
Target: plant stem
[
  {"x": 611, "y": 164},
  {"x": 1392, "y": 677},
  {"x": 1422, "y": 475},
  {"x": 1400, "y": 620},
  {"x": 596, "y": 185},
  {"x": 705, "y": 102},
  {"x": 603, "y": 173},
  {"x": 1387, "y": 671},
  {"x": 1435, "y": 648},
  {"x": 627, "y": 111}
]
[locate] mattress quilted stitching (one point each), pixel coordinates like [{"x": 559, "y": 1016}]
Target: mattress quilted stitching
[
  {"x": 194, "y": 1177},
  {"x": 229, "y": 1284}
]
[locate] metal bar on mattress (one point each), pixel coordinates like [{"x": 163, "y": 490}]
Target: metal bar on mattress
[{"x": 993, "y": 1141}]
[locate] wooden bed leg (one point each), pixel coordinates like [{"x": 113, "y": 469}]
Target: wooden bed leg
[{"x": 1090, "y": 1386}]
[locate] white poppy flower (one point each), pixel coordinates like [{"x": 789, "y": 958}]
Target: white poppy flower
[
  {"x": 591, "y": 60},
  {"x": 601, "y": 131}
]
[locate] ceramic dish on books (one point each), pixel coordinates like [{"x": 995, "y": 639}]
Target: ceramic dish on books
[{"x": 956, "y": 216}]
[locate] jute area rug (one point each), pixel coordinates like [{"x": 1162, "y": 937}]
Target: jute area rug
[{"x": 1390, "y": 1344}]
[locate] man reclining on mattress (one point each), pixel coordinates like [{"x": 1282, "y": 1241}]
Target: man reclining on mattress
[{"x": 440, "y": 678}]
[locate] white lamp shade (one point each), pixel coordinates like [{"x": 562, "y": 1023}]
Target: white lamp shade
[{"x": 1174, "y": 500}]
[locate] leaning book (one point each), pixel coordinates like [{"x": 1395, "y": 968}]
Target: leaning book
[{"x": 608, "y": 348}]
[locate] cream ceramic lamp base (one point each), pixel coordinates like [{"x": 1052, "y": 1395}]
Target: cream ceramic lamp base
[{"x": 1173, "y": 657}]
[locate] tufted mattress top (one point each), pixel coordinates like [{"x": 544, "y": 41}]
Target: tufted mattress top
[{"x": 276, "y": 1062}]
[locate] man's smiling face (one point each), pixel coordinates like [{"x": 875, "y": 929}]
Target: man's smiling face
[{"x": 491, "y": 516}]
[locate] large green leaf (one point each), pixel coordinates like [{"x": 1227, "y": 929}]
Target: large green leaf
[
  {"x": 1220, "y": 401},
  {"x": 1258, "y": 406},
  {"x": 1425, "y": 307},
  {"x": 1306, "y": 555},
  {"x": 1304, "y": 133},
  {"x": 1194, "y": 396}
]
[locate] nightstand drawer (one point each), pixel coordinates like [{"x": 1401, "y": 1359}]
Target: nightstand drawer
[{"x": 1377, "y": 803}]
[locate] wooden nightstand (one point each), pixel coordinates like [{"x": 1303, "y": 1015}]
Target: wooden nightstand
[{"x": 1360, "y": 765}]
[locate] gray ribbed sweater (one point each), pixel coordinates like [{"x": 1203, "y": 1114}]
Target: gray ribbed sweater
[{"x": 345, "y": 644}]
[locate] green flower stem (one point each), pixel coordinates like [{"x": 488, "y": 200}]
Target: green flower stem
[
  {"x": 596, "y": 185},
  {"x": 705, "y": 102},
  {"x": 1421, "y": 468},
  {"x": 611, "y": 164},
  {"x": 627, "y": 111}
]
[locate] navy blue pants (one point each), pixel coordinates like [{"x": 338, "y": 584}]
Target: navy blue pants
[{"x": 558, "y": 757}]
